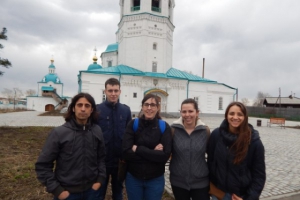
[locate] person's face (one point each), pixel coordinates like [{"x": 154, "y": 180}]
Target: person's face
[
  {"x": 83, "y": 110},
  {"x": 235, "y": 118},
  {"x": 189, "y": 114},
  {"x": 150, "y": 108},
  {"x": 112, "y": 93}
]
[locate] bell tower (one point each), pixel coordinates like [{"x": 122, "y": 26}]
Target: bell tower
[{"x": 145, "y": 34}]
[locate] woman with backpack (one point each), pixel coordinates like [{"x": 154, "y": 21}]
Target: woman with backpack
[
  {"x": 236, "y": 157},
  {"x": 147, "y": 145},
  {"x": 188, "y": 169}
]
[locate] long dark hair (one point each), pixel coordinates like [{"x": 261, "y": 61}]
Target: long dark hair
[
  {"x": 152, "y": 96},
  {"x": 241, "y": 145},
  {"x": 70, "y": 113}
]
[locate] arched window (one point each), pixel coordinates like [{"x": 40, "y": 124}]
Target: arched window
[
  {"x": 156, "y": 6},
  {"x": 135, "y": 5},
  {"x": 154, "y": 66},
  {"x": 109, "y": 63},
  {"x": 220, "y": 103},
  {"x": 154, "y": 46}
]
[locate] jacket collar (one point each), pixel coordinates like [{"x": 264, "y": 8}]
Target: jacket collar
[
  {"x": 111, "y": 105},
  {"x": 179, "y": 123}
]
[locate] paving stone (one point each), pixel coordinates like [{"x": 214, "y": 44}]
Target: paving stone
[{"x": 281, "y": 148}]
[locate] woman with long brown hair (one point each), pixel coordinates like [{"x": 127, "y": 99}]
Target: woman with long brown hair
[{"x": 236, "y": 157}]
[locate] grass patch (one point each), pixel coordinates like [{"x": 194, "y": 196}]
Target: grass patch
[
  {"x": 8, "y": 110},
  {"x": 19, "y": 149},
  {"x": 52, "y": 113}
]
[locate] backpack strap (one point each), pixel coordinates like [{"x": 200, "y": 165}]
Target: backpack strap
[
  {"x": 161, "y": 124},
  {"x": 135, "y": 124}
]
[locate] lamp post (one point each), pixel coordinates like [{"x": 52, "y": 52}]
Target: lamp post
[{"x": 15, "y": 99}]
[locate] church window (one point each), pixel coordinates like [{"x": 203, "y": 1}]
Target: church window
[
  {"x": 136, "y": 5},
  {"x": 103, "y": 96},
  {"x": 134, "y": 95},
  {"x": 156, "y": 6},
  {"x": 220, "y": 103},
  {"x": 196, "y": 99},
  {"x": 109, "y": 63},
  {"x": 154, "y": 66},
  {"x": 154, "y": 46}
]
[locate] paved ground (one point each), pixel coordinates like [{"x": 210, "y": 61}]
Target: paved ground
[{"x": 282, "y": 148}]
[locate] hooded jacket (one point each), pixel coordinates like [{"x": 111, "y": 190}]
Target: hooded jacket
[
  {"x": 188, "y": 167},
  {"x": 246, "y": 179},
  {"x": 79, "y": 155},
  {"x": 146, "y": 163},
  {"x": 113, "y": 119}
]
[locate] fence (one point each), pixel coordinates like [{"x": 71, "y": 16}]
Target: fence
[{"x": 267, "y": 112}]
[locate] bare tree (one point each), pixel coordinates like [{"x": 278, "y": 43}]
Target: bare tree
[
  {"x": 12, "y": 95},
  {"x": 260, "y": 99},
  {"x": 245, "y": 101},
  {"x": 30, "y": 92}
]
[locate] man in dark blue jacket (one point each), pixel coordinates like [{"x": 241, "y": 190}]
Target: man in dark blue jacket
[{"x": 113, "y": 119}]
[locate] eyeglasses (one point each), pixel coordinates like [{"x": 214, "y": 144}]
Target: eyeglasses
[
  {"x": 152, "y": 105},
  {"x": 79, "y": 105}
]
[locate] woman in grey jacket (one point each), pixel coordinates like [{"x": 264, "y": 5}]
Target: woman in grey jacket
[{"x": 188, "y": 168}]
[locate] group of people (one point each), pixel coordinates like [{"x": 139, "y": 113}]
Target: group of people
[{"x": 80, "y": 157}]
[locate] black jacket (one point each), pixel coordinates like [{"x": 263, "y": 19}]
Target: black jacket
[
  {"x": 79, "y": 155},
  {"x": 246, "y": 179},
  {"x": 113, "y": 119},
  {"x": 147, "y": 163}
]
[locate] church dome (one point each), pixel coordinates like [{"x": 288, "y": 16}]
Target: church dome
[
  {"x": 51, "y": 77},
  {"x": 95, "y": 65},
  {"x": 51, "y": 66}
]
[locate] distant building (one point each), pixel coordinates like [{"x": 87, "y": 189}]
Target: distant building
[
  {"x": 4, "y": 100},
  {"x": 50, "y": 93},
  {"x": 283, "y": 102},
  {"x": 142, "y": 59}
]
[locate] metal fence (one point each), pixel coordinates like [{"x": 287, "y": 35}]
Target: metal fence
[{"x": 267, "y": 112}]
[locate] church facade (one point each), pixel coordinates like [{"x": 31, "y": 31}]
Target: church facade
[
  {"x": 50, "y": 93},
  {"x": 141, "y": 59}
]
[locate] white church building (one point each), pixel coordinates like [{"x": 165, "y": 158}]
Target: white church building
[
  {"x": 141, "y": 59},
  {"x": 49, "y": 93}
]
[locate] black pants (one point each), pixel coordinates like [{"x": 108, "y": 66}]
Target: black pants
[{"x": 194, "y": 194}]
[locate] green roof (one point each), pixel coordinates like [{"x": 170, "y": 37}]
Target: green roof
[
  {"x": 171, "y": 73},
  {"x": 47, "y": 88},
  {"x": 112, "y": 48},
  {"x": 178, "y": 74}
]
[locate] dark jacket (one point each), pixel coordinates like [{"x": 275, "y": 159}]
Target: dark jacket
[
  {"x": 147, "y": 163},
  {"x": 113, "y": 119},
  {"x": 79, "y": 155},
  {"x": 246, "y": 179},
  {"x": 188, "y": 167}
]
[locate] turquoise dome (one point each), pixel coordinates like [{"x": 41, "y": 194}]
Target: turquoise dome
[
  {"x": 94, "y": 66},
  {"x": 51, "y": 77},
  {"x": 52, "y": 66}
]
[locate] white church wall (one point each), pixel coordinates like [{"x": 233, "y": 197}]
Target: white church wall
[
  {"x": 39, "y": 103},
  {"x": 58, "y": 87},
  {"x": 208, "y": 96},
  {"x": 109, "y": 56}
]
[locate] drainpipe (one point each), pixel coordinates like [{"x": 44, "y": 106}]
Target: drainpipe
[
  {"x": 235, "y": 96},
  {"x": 187, "y": 89}
]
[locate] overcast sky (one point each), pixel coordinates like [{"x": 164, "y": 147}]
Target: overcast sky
[{"x": 252, "y": 45}]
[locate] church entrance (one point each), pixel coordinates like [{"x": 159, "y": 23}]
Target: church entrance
[{"x": 49, "y": 107}]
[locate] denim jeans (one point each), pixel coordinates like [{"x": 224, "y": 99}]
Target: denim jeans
[
  {"x": 138, "y": 189},
  {"x": 226, "y": 197},
  {"x": 89, "y": 194},
  {"x": 116, "y": 186}
]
